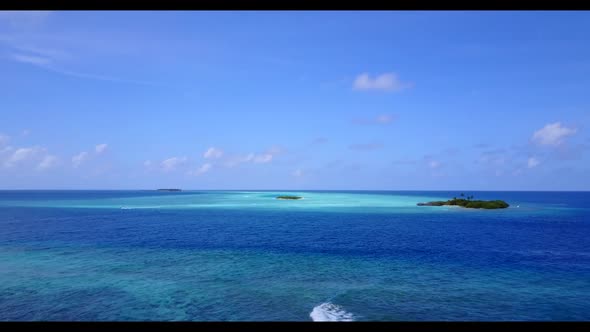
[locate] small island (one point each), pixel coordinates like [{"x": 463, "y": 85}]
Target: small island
[
  {"x": 469, "y": 203},
  {"x": 169, "y": 189},
  {"x": 289, "y": 197}
]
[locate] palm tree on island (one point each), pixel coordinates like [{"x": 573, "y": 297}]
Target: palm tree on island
[{"x": 468, "y": 202}]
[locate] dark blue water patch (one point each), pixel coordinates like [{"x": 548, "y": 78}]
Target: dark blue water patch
[{"x": 549, "y": 242}]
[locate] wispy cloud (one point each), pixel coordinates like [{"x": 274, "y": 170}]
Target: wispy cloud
[
  {"x": 319, "y": 140},
  {"x": 381, "y": 119},
  {"x": 405, "y": 162},
  {"x": 97, "y": 77},
  {"x": 384, "y": 82},
  {"x": 171, "y": 164},
  {"x": 481, "y": 146},
  {"x": 53, "y": 61},
  {"x": 257, "y": 158},
  {"x": 23, "y": 154},
  {"x": 202, "y": 169},
  {"x": 23, "y": 19},
  {"x": 384, "y": 118},
  {"x": 48, "y": 53},
  {"x": 532, "y": 162},
  {"x": 100, "y": 148},
  {"x": 233, "y": 161},
  {"x": 213, "y": 153},
  {"x": 4, "y": 139},
  {"x": 78, "y": 159},
  {"x": 48, "y": 162},
  {"x": 553, "y": 134},
  {"x": 365, "y": 146},
  {"x": 31, "y": 59},
  {"x": 275, "y": 150},
  {"x": 434, "y": 164},
  {"x": 496, "y": 157},
  {"x": 263, "y": 158},
  {"x": 84, "y": 156}
]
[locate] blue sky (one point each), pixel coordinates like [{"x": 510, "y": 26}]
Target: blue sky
[{"x": 295, "y": 100}]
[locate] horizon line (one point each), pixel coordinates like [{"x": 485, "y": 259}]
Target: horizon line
[{"x": 182, "y": 190}]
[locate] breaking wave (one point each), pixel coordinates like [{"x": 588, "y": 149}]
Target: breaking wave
[{"x": 329, "y": 312}]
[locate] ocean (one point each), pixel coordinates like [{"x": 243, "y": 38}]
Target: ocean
[{"x": 334, "y": 255}]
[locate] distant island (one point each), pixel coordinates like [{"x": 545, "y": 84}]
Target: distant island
[
  {"x": 469, "y": 203},
  {"x": 169, "y": 189},
  {"x": 289, "y": 197}
]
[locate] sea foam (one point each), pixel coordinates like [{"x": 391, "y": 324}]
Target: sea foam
[{"x": 329, "y": 312}]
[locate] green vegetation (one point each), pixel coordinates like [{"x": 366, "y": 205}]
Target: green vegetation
[
  {"x": 289, "y": 197},
  {"x": 469, "y": 203}
]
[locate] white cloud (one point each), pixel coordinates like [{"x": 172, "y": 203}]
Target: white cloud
[
  {"x": 263, "y": 158},
  {"x": 47, "y": 162},
  {"x": 170, "y": 164},
  {"x": 383, "y": 82},
  {"x": 552, "y": 134},
  {"x": 23, "y": 154},
  {"x": 101, "y": 148},
  {"x": 203, "y": 169},
  {"x": 79, "y": 158},
  {"x": 297, "y": 173},
  {"x": 533, "y": 162},
  {"x": 213, "y": 153}
]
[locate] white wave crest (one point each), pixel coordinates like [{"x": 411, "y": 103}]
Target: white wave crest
[{"x": 329, "y": 312}]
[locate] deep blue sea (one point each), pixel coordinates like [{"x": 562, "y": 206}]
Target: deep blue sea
[{"x": 246, "y": 256}]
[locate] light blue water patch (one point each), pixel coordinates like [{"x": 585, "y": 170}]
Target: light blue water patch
[
  {"x": 236, "y": 200},
  {"x": 364, "y": 202},
  {"x": 140, "y": 284}
]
